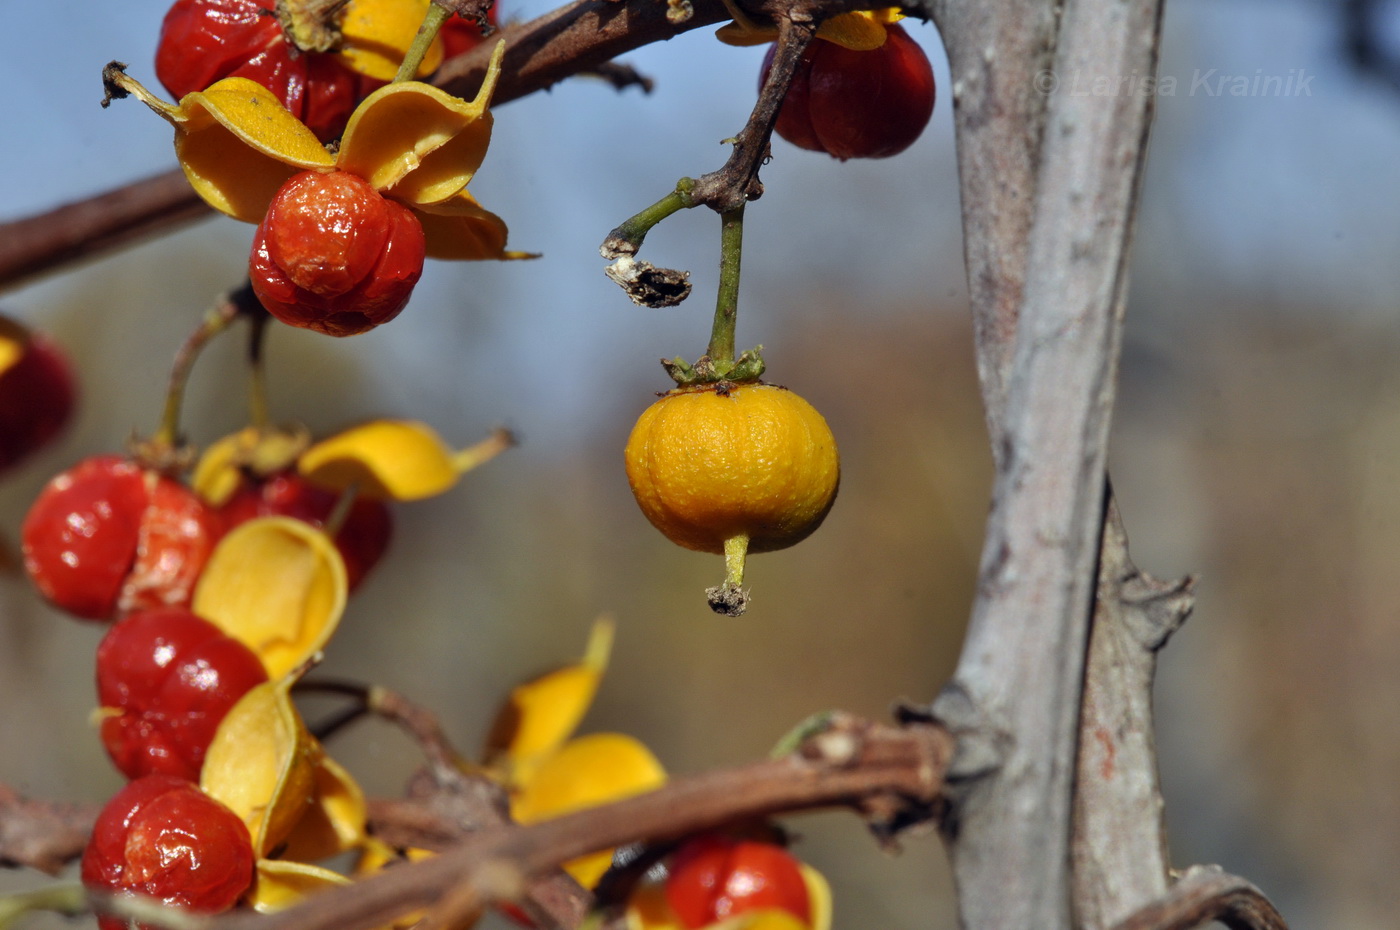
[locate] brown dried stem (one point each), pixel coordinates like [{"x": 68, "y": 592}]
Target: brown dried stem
[
  {"x": 891, "y": 775},
  {"x": 459, "y": 800},
  {"x": 1203, "y": 894},
  {"x": 41, "y": 834},
  {"x": 737, "y": 182}
]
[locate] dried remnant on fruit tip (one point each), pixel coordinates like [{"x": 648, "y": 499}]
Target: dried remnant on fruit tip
[
  {"x": 728, "y": 599},
  {"x": 279, "y": 586},
  {"x": 541, "y": 714},
  {"x": 262, "y": 764}
]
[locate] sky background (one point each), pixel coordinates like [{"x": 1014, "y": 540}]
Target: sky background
[{"x": 1255, "y": 441}]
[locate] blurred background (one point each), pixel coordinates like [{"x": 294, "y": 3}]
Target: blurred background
[{"x": 1257, "y": 437}]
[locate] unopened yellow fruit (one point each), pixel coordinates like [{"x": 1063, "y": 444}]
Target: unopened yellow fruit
[{"x": 713, "y": 463}]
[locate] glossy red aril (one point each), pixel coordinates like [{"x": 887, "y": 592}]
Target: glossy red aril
[
  {"x": 362, "y": 539},
  {"x": 163, "y": 837},
  {"x": 334, "y": 255},
  {"x": 715, "y": 877},
  {"x": 203, "y": 41},
  {"x": 165, "y": 678},
  {"x": 37, "y": 394},
  {"x": 108, "y": 536},
  {"x": 849, "y": 104}
]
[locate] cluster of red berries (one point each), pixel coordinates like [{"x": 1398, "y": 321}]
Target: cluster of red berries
[
  {"x": 332, "y": 253},
  {"x": 108, "y": 539}
]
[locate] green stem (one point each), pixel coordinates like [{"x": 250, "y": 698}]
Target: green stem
[
  {"x": 427, "y": 32},
  {"x": 731, "y": 249},
  {"x": 635, "y": 229},
  {"x": 69, "y": 900},
  {"x": 215, "y": 321}
]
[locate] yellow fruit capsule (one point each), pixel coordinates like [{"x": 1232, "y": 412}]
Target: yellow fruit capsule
[{"x": 733, "y": 469}]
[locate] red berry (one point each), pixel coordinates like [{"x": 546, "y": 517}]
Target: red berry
[
  {"x": 715, "y": 877},
  {"x": 178, "y": 534},
  {"x": 80, "y": 536},
  {"x": 363, "y": 537},
  {"x": 334, "y": 255},
  {"x": 107, "y": 535},
  {"x": 203, "y": 41},
  {"x": 165, "y": 678},
  {"x": 161, "y": 836},
  {"x": 462, "y": 35},
  {"x": 36, "y": 399},
  {"x": 849, "y": 104}
]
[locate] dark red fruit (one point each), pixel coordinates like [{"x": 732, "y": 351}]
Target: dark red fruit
[
  {"x": 203, "y": 41},
  {"x": 363, "y": 537},
  {"x": 108, "y": 536},
  {"x": 163, "y": 837},
  {"x": 462, "y": 35},
  {"x": 334, "y": 255},
  {"x": 37, "y": 394},
  {"x": 850, "y": 104},
  {"x": 715, "y": 877},
  {"x": 165, "y": 678}
]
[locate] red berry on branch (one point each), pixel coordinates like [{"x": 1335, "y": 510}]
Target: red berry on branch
[
  {"x": 462, "y": 35},
  {"x": 108, "y": 536},
  {"x": 858, "y": 104},
  {"x": 165, "y": 678},
  {"x": 163, "y": 837},
  {"x": 715, "y": 877},
  {"x": 203, "y": 41},
  {"x": 362, "y": 539},
  {"x": 37, "y": 394},
  {"x": 334, "y": 255}
]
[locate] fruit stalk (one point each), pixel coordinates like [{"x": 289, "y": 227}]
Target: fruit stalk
[
  {"x": 432, "y": 22},
  {"x": 731, "y": 249},
  {"x": 215, "y": 321}
]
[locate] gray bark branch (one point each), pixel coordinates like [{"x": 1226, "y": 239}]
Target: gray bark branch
[{"x": 1048, "y": 347}]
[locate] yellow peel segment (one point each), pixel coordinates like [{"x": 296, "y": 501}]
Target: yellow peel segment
[
  {"x": 421, "y": 141},
  {"x": 587, "y": 772},
  {"x": 261, "y": 763},
  {"x": 335, "y": 820},
  {"x": 237, "y": 145},
  {"x": 376, "y": 34},
  {"x": 394, "y": 459},
  {"x": 263, "y": 451},
  {"x": 281, "y": 884},
  {"x": 859, "y": 31},
  {"x": 818, "y": 896},
  {"x": 278, "y": 586},
  {"x": 460, "y": 229},
  {"x": 541, "y": 714}
]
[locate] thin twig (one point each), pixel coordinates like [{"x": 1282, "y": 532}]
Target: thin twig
[
  {"x": 1203, "y": 894},
  {"x": 737, "y": 182}
]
